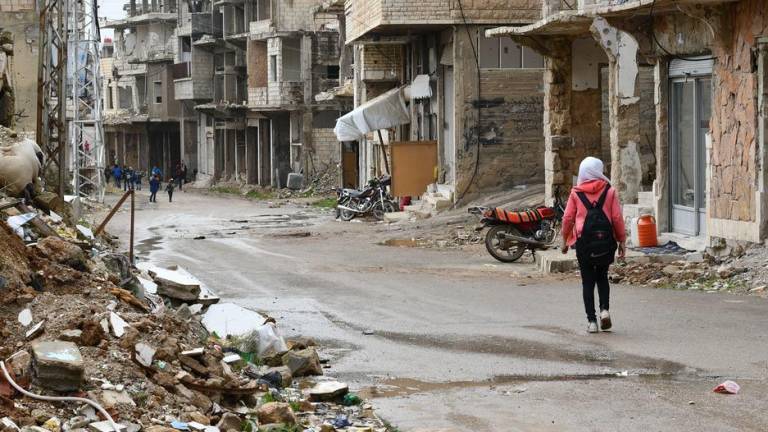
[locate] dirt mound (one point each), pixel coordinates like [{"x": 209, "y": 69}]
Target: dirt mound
[{"x": 14, "y": 264}]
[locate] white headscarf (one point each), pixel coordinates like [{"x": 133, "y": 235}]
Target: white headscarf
[{"x": 591, "y": 168}]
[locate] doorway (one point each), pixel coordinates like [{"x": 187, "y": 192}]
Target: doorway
[
  {"x": 349, "y": 165},
  {"x": 689, "y": 113}
]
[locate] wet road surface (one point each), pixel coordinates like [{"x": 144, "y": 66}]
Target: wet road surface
[{"x": 461, "y": 343}]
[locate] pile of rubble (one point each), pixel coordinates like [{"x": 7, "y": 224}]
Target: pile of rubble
[
  {"x": 698, "y": 271},
  {"x": 149, "y": 348}
]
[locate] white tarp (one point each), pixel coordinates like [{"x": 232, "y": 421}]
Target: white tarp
[{"x": 382, "y": 112}]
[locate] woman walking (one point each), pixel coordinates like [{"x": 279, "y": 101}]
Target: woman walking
[{"x": 593, "y": 223}]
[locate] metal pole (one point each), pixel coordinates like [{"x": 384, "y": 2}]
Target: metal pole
[
  {"x": 383, "y": 152},
  {"x": 112, "y": 212},
  {"x": 133, "y": 206}
]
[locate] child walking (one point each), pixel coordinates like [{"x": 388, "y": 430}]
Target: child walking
[
  {"x": 169, "y": 188},
  {"x": 154, "y": 186},
  {"x": 593, "y": 223}
]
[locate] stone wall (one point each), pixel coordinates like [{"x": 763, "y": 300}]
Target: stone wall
[
  {"x": 510, "y": 132},
  {"x": 326, "y": 150},
  {"x": 19, "y": 18},
  {"x": 382, "y": 62},
  {"x": 734, "y": 121}
]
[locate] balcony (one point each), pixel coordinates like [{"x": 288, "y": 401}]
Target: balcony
[
  {"x": 395, "y": 17},
  {"x": 261, "y": 29},
  {"x": 200, "y": 23},
  {"x": 152, "y": 54}
]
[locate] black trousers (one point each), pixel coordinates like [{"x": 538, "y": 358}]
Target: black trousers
[
  {"x": 170, "y": 196},
  {"x": 592, "y": 275},
  {"x": 153, "y": 197}
]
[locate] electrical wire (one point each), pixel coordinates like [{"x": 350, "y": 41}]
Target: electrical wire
[
  {"x": 656, "y": 41},
  {"x": 479, "y": 106},
  {"x": 95, "y": 405}
]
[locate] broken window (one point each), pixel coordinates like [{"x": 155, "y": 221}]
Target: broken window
[
  {"x": 109, "y": 103},
  {"x": 504, "y": 53},
  {"x": 263, "y": 10},
  {"x": 291, "y": 59},
  {"x": 332, "y": 72},
  {"x": 125, "y": 97},
  {"x": 185, "y": 48},
  {"x": 158, "y": 91}
]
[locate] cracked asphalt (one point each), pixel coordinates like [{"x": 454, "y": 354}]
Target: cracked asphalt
[{"x": 460, "y": 342}]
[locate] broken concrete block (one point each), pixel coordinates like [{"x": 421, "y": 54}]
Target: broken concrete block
[
  {"x": 58, "y": 365},
  {"x": 196, "y": 352},
  {"x": 7, "y": 425},
  {"x": 145, "y": 354},
  {"x": 35, "y": 331},
  {"x": 20, "y": 362},
  {"x": 229, "y": 421},
  {"x": 175, "y": 285},
  {"x": 118, "y": 324},
  {"x": 73, "y": 335},
  {"x": 303, "y": 363},
  {"x": 63, "y": 252},
  {"x": 276, "y": 412},
  {"x": 328, "y": 391},
  {"x": 232, "y": 358},
  {"x": 106, "y": 426},
  {"x": 284, "y": 372}
]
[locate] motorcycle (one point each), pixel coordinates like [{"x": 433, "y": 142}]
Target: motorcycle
[
  {"x": 374, "y": 199},
  {"x": 512, "y": 232}
]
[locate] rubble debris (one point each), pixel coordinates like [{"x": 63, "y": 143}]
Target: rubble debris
[
  {"x": 35, "y": 331},
  {"x": 326, "y": 391},
  {"x": 72, "y": 335},
  {"x": 173, "y": 284},
  {"x": 229, "y": 319},
  {"x": 276, "y": 412},
  {"x": 106, "y": 426},
  {"x": 58, "y": 365},
  {"x": 118, "y": 324},
  {"x": 303, "y": 363},
  {"x": 63, "y": 252},
  {"x": 25, "y": 317}
]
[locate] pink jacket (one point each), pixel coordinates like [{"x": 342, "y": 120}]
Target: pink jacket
[{"x": 575, "y": 212}]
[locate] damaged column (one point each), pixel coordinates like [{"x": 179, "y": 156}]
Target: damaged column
[
  {"x": 623, "y": 107},
  {"x": 557, "y": 115}
]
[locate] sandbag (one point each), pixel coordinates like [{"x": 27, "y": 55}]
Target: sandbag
[{"x": 19, "y": 166}]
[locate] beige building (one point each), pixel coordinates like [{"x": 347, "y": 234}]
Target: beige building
[
  {"x": 19, "y": 19},
  {"x": 485, "y": 108},
  {"x": 678, "y": 88}
]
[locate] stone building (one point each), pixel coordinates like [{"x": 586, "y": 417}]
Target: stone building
[
  {"x": 141, "y": 113},
  {"x": 485, "y": 108},
  {"x": 672, "y": 95},
  {"x": 19, "y": 19}
]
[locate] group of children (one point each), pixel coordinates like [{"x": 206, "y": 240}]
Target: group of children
[{"x": 130, "y": 179}]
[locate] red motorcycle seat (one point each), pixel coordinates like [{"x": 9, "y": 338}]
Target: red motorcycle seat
[{"x": 523, "y": 216}]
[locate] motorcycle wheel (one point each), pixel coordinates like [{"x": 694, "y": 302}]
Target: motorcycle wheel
[
  {"x": 504, "y": 250},
  {"x": 378, "y": 211},
  {"x": 346, "y": 215},
  {"x": 391, "y": 207}
]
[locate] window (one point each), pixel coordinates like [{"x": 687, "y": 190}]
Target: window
[
  {"x": 332, "y": 72},
  {"x": 158, "y": 91},
  {"x": 273, "y": 68},
  {"x": 505, "y": 53},
  {"x": 263, "y": 10}
]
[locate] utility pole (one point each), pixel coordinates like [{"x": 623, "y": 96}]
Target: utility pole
[{"x": 51, "y": 85}]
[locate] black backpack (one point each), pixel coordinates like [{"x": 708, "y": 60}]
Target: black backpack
[{"x": 597, "y": 243}]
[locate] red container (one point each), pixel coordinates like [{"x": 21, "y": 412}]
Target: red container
[{"x": 646, "y": 231}]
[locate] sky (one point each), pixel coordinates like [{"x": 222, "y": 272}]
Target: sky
[{"x": 112, "y": 9}]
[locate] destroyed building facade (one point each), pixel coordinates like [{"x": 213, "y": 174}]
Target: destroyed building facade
[
  {"x": 19, "y": 30},
  {"x": 141, "y": 113},
  {"x": 678, "y": 88},
  {"x": 480, "y": 99}
]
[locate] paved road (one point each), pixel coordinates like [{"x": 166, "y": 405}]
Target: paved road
[{"x": 461, "y": 343}]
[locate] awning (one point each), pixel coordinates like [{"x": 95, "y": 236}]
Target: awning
[{"x": 382, "y": 112}]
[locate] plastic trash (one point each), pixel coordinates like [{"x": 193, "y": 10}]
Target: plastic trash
[
  {"x": 727, "y": 387},
  {"x": 351, "y": 399},
  {"x": 341, "y": 422},
  {"x": 16, "y": 222},
  {"x": 264, "y": 340}
]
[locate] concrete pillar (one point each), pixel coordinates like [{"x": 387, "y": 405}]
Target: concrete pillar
[
  {"x": 623, "y": 106},
  {"x": 762, "y": 126},
  {"x": 661, "y": 183},
  {"x": 557, "y": 115}
]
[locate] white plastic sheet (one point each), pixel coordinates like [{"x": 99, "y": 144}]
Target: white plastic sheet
[
  {"x": 16, "y": 222},
  {"x": 382, "y": 112}
]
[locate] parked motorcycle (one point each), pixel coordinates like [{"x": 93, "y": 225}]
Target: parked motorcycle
[
  {"x": 513, "y": 231},
  {"x": 374, "y": 199}
]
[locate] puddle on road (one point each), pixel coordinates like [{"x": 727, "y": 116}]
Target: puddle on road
[{"x": 148, "y": 245}]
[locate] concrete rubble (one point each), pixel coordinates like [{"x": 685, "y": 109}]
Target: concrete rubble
[{"x": 78, "y": 320}]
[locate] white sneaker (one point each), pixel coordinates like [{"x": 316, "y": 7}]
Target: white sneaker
[
  {"x": 605, "y": 320},
  {"x": 592, "y": 327}
]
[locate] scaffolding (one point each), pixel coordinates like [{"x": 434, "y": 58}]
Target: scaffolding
[{"x": 86, "y": 128}]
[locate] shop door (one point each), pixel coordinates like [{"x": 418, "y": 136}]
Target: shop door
[
  {"x": 690, "y": 108},
  {"x": 349, "y": 165}
]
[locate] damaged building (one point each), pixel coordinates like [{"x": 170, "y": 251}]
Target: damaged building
[
  {"x": 19, "y": 30},
  {"x": 141, "y": 113},
  {"x": 479, "y": 99},
  {"x": 671, "y": 94},
  {"x": 252, "y": 81}
]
